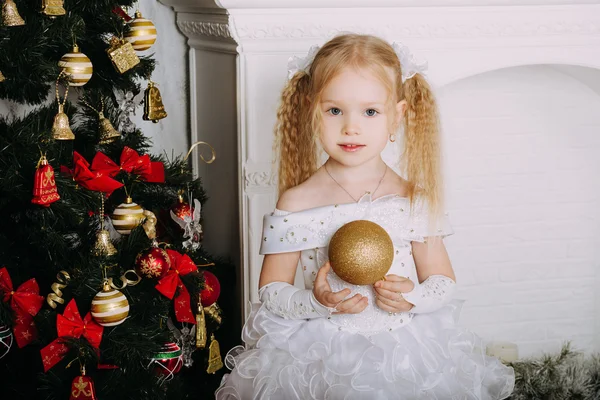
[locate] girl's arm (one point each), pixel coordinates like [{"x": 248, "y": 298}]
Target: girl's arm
[
  {"x": 277, "y": 293},
  {"x": 436, "y": 284},
  {"x": 432, "y": 259},
  {"x": 436, "y": 277}
]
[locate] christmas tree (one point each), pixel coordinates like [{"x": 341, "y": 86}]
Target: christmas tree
[{"x": 105, "y": 289}]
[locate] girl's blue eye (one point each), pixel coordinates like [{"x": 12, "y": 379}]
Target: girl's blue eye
[
  {"x": 335, "y": 111},
  {"x": 371, "y": 112}
]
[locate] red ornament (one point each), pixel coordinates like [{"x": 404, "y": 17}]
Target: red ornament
[
  {"x": 82, "y": 388},
  {"x": 182, "y": 209},
  {"x": 211, "y": 291},
  {"x": 168, "y": 361},
  {"x": 44, "y": 185},
  {"x": 152, "y": 263}
]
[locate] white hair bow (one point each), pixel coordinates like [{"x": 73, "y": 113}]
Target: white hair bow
[{"x": 410, "y": 65}]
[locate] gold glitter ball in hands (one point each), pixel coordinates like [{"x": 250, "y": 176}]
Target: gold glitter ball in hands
[{"x": 361, "y": 252}]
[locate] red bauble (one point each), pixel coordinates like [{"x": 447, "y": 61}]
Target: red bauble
[
  {"x": 82, "y": 388},
  {"x": 211, "y": 291},
  {"x": 168, "y": 362},
  {"x": 44, "y": 185},
  {"x": 152, "y": 263},
  {"x": 182, "y": 209}
]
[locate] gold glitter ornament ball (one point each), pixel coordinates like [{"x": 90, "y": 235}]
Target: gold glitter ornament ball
[{"x": 361, "y": 252}]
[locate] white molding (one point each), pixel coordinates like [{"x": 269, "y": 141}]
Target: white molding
[
  {"x": 260, "y": 179},
  {"x": 205, "y": 28}
]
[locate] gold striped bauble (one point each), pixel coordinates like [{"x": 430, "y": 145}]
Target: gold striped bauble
[
  {"x": 127, "y": 216},
  {"x": 142, "y": 33},
  {"x": 77, "y": 66},
  {"x": 109, "y": 307}
]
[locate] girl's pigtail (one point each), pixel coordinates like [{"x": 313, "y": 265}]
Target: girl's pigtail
[
  {"x": 295, "y": 146},
  {"x": 421, "y": 158}
]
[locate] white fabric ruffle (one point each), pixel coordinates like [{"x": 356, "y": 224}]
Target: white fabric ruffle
[{"x": 430, "y": 358}]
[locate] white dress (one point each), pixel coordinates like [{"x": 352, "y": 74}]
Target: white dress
[{"x": 370, "y": 355}]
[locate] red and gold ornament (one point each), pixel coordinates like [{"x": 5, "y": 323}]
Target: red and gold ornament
[
  {"x": 25, "y": 303},
  {"x": 70, "y": 324},
  {"x": 182, "y": 209},
  {"x": 168, "y": 361},
  {"x": 153, "y": 263},
  {"x": 44, "y": 185},
  {"x": 82, "y": 387},
  {"x": 211, "y": 291}
]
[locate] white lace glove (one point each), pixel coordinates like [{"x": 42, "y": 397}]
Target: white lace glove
[
  {"x": 431, "y": 295},
  {"x": 289, "y": 302}
]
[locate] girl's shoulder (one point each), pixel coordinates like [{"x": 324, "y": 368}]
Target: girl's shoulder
[{"x": 308, "y": 195}]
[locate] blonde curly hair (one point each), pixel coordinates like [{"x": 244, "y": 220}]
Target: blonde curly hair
[{"x": 298, "y": 119}]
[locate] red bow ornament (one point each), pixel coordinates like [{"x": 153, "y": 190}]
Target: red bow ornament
[
  {"x": 70, "y": 324},
  {"x": 132, "y": 163},
  {"x": 91, "y": 180},
  {"x": 181, "y": 264},
  {"x": 25, "y": 302}
]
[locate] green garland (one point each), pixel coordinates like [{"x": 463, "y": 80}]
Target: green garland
[{"x": 568, "y": 375}]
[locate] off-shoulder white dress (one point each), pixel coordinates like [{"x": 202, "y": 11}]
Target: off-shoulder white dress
[{"x": 370, "y": 355}]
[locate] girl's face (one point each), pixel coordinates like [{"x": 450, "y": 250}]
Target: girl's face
[{"x": 355, "y": 121}]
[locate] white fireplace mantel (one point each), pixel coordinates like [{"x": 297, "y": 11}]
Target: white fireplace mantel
[{"x": 238, "y": 55}]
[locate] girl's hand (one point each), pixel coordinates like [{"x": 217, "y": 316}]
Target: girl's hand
[
  {"x": 389, "y": 293},
  {"x": 325, "y": 296}
]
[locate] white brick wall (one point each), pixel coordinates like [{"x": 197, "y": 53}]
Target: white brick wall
[{"x": 522, "y": 168}]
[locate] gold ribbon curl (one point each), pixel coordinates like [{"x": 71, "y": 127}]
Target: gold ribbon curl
[{"x": 63, "y": 279}]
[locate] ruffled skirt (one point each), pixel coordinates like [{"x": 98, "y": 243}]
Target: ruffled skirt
[{"x": 429, "y": 358}]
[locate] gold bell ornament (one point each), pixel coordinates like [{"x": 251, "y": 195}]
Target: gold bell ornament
[
  {"x": 53, "y": 8},
  {"x": 60, "y": 128},
  {"x": 77, "y": 66},
  {"x": 142, "y": 33},
  {"x": 103, "y": 246},
  {"x": 214, "y": 356},
  {"x": 10, "y": 14},
  {"x": 109, "y": 307},
  {"x": 2, "y": 78},
  {"x": 122, "y": 55},
  {"x": 154, "y": 108},
  {"x": 108, "y": 133},
  {"x": 127, "y": 216}
]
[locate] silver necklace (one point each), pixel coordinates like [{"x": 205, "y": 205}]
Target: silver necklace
[{"x": 344, "y": 189}]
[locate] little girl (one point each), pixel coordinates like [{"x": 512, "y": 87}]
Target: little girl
[{"x": 395, "y": 339}]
